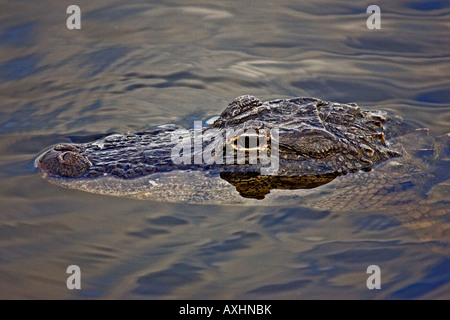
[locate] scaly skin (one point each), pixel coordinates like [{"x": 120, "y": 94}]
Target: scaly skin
[{"x": 315, "y": 137}]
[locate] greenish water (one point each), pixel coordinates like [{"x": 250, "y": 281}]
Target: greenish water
[{"x": 139, "y": 65}]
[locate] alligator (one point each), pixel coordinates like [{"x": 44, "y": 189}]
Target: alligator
[{"x": 322, "y": 155}]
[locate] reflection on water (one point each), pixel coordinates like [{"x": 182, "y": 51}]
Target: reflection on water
[{"x": 136, "y": 66}]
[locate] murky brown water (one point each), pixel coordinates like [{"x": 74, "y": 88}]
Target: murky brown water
[{"x": 139, "y": 65}]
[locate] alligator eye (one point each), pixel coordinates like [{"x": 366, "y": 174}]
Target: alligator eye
[{"x": 250, "y": 141}]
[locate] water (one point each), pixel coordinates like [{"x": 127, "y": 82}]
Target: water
[{"x": 139, "y": 65}]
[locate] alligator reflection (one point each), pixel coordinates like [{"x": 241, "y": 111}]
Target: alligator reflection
[{"x": 256, "y": 186}]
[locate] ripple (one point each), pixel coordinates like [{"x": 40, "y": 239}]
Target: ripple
[
  {"x": 147, "y": 233},
  {"x": 208, "y": 13},
  {"x": 166, "y": 281},
  {"x": 19, "y": 68},
  {"x": 435, "y": 96},
  {"x": 18, "y": 36},
  {"x": 429, "y": 5},
  {"x": 167, "y": 221},
  {"x": 375, "y": 223},
  {"x": 101, "y": 59},
  {"x": 436, "y": 277},
  {"x": 279, "y": 287},
  {"x": 238, "y": 241},
  {"x": 290, "y": 220}
]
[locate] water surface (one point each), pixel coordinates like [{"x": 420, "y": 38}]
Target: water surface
[{"x": 134, "y": 66}]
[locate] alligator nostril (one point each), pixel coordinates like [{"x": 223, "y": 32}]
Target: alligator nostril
[{"x": 69, "y": 158}]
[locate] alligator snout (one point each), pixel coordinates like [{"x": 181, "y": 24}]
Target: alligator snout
[{"x": 64, "y": 160}]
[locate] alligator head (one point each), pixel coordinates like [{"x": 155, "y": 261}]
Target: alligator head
[
  {"x": 314, "y": 136},
  {"x": 314, "y": 139}
]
